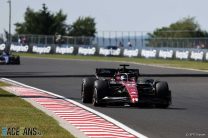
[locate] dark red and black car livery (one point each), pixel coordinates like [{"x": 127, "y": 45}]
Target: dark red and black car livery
[{"x": 123, "y": 86}]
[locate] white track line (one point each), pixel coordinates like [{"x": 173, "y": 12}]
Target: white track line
[{"x": 126, "y": 128}]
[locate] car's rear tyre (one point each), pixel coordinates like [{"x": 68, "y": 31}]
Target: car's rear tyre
[
  {"x": 164, "y": 94},
  {"x": 100, "y": 91},
  {"x": 87, "y": 89}
]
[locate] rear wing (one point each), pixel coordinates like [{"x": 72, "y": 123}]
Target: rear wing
[
  {"x": 131, "y": 71},
  {"x": 106, "y": 72}
]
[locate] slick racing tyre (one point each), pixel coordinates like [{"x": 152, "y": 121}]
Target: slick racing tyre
[
  {"x": 164, "y": 94},
  {"x": 100, "y": 91},
  {"x": 87, "y": 89}
]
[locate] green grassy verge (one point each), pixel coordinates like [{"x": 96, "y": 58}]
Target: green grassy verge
[
  {"x": 165, "y": 62},
  {"x": 15, "y": 113},
  {"x": 3, "y": 84}
]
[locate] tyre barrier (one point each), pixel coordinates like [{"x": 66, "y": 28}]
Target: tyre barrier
[
  {"x": 206, "y": 56},
  {"x": 197, "y": 55},
  {"x": 41, "y": 50},
  {"x": 182, "y": 54},
  {"x": 130, "y": 53},
  {"x": 86, "y": 51},
  {"x": 19, "y": 48},
  {"x": 2, "y": 46},
  {"x": 148, "y": 53},
  {"x": 109, "y": 52},
  {"x": 64, "y": 50},
  {"x": 165, "y": 54}
]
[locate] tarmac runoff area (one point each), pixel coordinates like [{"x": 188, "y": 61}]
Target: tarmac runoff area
[{"x": 79, "y": 120}]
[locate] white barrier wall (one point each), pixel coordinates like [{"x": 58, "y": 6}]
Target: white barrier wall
[
  {"x": 165, "y": 54},
  {"x": 148, "y": 53},
  {"x": 206, "y": 56},
  {"x": 110, "y": 52},
  {"x": 19, "y": 48},
  {"x": 64, "y": 50},
  {"x": 182, "y": 54},
  {"x": 86, "y": 51},
  {"x": 131, "y": 53},
  {"x": 2, "y": 46},
  {"x": 41, "y": 50},
  {"x": 197, "y": 55}
]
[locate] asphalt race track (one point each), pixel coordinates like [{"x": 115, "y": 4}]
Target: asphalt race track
[{"x": 187, "y": 117}]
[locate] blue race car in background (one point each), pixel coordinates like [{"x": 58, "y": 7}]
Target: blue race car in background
[{"x": 6, "y": 58}]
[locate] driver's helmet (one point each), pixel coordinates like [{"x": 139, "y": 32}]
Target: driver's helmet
[{"x": 123, "y": 77}]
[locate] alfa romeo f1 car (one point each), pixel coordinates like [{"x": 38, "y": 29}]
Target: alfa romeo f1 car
[
  {"x": 6, "y": 58},
  {"x": 123, "y": 86}
]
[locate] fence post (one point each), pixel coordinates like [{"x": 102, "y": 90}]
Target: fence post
[{"x": 142, "y": 39}]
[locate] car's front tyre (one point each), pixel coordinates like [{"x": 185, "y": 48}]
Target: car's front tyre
[
  {"x": 87, "y": 89},
  {"x": 164, "y": 94},
  {"x": 100, "y": 91}
]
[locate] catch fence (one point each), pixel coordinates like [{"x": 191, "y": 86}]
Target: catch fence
[
  {"x": 137, "y": 40},
  {"x": 135, "y": 44}
]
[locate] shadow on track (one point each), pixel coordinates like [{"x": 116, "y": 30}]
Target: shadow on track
[
  {"x": 36, "y": 75},
  {"x": 141, "y": 107},
  {"x": 147, "y": 108}
]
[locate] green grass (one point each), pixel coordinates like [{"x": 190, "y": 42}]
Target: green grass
[
  {"x": 3, "y": 84},
  {"x": 164, "y": 62},
  {"x": 15, "y": 112}
]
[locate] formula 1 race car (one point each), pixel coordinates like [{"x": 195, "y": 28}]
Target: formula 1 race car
[
  {"x": 123, "y": 86},
  {"x": 6, "y": 58}
]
